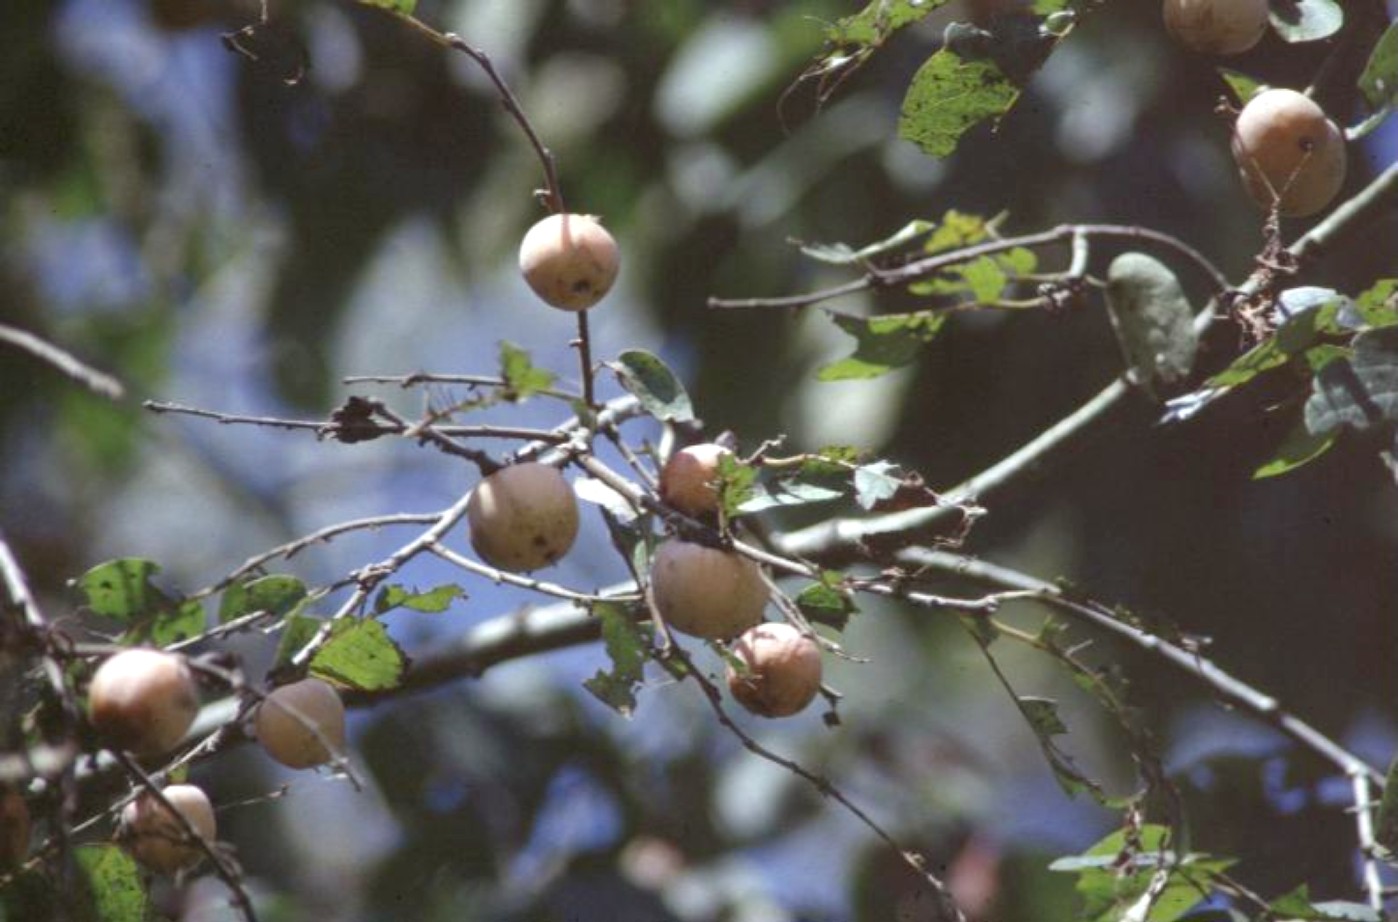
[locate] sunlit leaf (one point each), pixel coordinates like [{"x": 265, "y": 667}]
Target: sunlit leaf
[
  {"x": 950, "y": 95},
  {"x": 876, "y": 482},
  {"x": 360, "y": 654},
  {"x": 1298, "y": 448},
  {"x": 626, "y": 646},
  {"x": 885, "y": 342},
  {"x": 277, "y": 595},
  {"x": 1243, "y": 86},
  {"x": 122, "y": 589},
  {"x": 824, "y": 603},
  {"x": 878, "y": 20},
  {"x": 405, "y": 7},
  {"x": 112, "y": 885},
  {"x": 431, "y": 601},
  {"x": 654, "y": 385},
  {"x": 522, "y": 378},
  {"x": 1377, "y": 306},
  {"x": 1306, "y": 20}
]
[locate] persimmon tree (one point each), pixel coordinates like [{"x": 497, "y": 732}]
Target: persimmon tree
[{"x": 737, "y": 562}]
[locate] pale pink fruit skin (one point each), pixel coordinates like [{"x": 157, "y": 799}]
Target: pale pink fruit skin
[
  {"x": 281, "y": 724},
  {"x": 706, "y": 592},
  {"x": 783, "y": 670},
  {"x": 569, "y": 260},
  {"x": 687, "y": 481},
  {"x": 1283, "y": 140},
  {"x": 1217, "y": 26},
  {"x": 157, "y": 839},
  {"x": 143, "y": 701},
  {"x": 523, "y": 517}
]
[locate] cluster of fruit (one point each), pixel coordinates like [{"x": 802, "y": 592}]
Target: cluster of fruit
[
  {"x": 1290, "y": 156},
  {"x": 144, "y": 702}
]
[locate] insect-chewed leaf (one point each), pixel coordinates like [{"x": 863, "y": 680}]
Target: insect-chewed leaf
[
  {"x": 361, "y": 655},
  {"x": 654, "y": 384},
  {"x": 1152, "y": 318},
  {"x": 626, "y": 647},
  {"x": 277, "y": 594},
  {"x": 1306, "y": 20},
  {"x": 950, "y": 95},
  {"x": 1360, "y": 391},
  {"x": 885, "y": 342},
  {"x": 878, "y": 20}
]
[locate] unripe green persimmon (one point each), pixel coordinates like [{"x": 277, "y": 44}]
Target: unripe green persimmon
[
  {"x": 301, "y": 725},
  {"x": 523, "y": 517},
  {"x": 688, "y": 481},
  {"x": 1217, "y": 26},
  {"x": 569, "y": 260},
  {"x": 782, "y": 670},
  {"x": 143, "y": 701},
  {"x": 706, "y": 592},
  {"x": 157, "y": 839},
  {"x": 1287, "y": 151}
]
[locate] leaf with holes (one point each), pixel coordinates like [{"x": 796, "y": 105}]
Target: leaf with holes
[
  {"x": 879, "y": 19},
  {"x": 1360, "y": 391},
  {"x": 654, "y": 385},
  {"x": 123, "y": 590},
  {"x": 1306, "y": 20},
  {"x": 277, "y": 595},
  {"x": 626, "y": 646},
  {"x": 949, "y": 96},
  {"x": 883, "y": 343},
  {"x": 360, "y": 654}
]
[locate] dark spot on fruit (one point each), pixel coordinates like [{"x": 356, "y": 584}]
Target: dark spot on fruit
[
  {"x": 582, "y": 286},
  {"x": 539, "y": 541}
]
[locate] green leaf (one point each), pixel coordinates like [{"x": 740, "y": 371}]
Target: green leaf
[
  {"x": 1360, "y": 391},
  {"x": 626, "y": 646},
  {"x": 360, "y": 654},
  {"x": 884, "y": 342},
  {"x": 122, "y": 590},
  {"x": 1300, "y": 332},
  {"x": 522, "y": 378},
  {"x": 873, "y": 25},
  {"x": 1306, "y": 20},
  {"x": 736, "y": 482},
  {"x": 1378, "y": 305},
  {"x": 111, "y": 881},
  {"x": 431, "y": 602},
  {"x": 824, "y": 603},
  {"x": 297, "y": 631},
  {"x": 1379, "y": 81},
  {"x": 948, "y": 96},
  {"x": 1243, "y": 86},
  {"x": 277, "y": 595},
  {"x": 1042, "y": 714},
  {"x": 654, "y": 385},
  {"x": 1152, "y": 318},
  {"x": 405, "y": 7},
  {"x": 842, "y": 254},
  {"x": 1298, "y": 448},
  {"x": 956, "y": 230}
]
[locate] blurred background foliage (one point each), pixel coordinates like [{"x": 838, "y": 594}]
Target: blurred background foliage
[{"x": 215, "y": 232}]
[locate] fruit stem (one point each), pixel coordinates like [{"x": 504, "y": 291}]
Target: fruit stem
[{"x": 584, "y": 344}]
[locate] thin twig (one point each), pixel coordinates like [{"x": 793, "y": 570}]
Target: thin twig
[
  {"x": 514, "y": 579},
  {"x": 1260, "y": 705},
  {"x": 100, "y": 383},
  {"x": 1364, "y": 807},
  {"x": 920, "y": 269}
]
